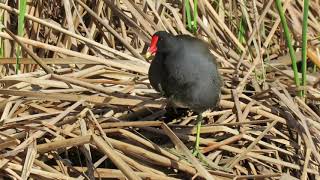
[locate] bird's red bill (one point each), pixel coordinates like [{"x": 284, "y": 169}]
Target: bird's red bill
[{"x": 153, "y": 45}]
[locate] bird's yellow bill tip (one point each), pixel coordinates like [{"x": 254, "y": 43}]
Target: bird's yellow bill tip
[{"x": 148, "y": 55}]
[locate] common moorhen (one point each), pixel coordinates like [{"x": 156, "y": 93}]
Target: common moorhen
[{"x": 185, "y": 72}]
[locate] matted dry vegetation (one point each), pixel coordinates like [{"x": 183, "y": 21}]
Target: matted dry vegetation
[{"x": 82, "y": 106}]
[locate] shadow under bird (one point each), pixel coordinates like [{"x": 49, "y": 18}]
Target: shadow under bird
[{"x": 184, "y": 71}]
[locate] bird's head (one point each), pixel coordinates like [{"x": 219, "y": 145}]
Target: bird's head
[{"x": 161, "y": 42}]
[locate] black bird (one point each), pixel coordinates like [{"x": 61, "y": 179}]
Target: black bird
[{"x": 185, "y": 72}]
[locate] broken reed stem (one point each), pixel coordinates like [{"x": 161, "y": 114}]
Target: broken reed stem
[
  {"x": 221, "y": 143},
  {"x": 103, "y": 146},
  {"x": 46, "y": 68}
]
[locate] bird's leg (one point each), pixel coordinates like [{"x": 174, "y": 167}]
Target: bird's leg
[
  {"x": 173, "y": 105},
  {"x": 170, "y": 99},
  {"x": 161, "y": 90},
  {"x": 196, "y": 148}
]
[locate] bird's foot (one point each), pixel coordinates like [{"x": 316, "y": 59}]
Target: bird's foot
[
  {"x": 202, "y": 158},
  {"x": 206, "y": 162},
  {"x": 196, "y": 153}
]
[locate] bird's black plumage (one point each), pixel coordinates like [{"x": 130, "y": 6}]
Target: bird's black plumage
[{"x": 185, "y": 71}]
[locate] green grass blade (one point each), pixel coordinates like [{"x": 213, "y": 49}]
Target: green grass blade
[
  {"x": 1, "y": 39},
  {"x": 304, "y": 44},
  {"x": 195, "y": 15},
  {"x": 188, "y": 12},
  {"x": 241, "y": 31},
  {"x": 22, "y": 12},
  {"x": 289, "y": 42}
]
